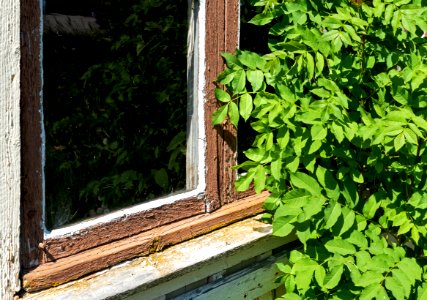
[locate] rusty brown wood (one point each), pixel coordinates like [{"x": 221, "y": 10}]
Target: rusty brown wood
[
  {"x": 76, "y": 266},
  {"x": 229, "y": 141},
  {"x": 100, "y": 234},
  {"x": 221, "y": 36},
  {"x": 31, "y": 168}
]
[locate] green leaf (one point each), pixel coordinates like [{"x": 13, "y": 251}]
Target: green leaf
[
  {"x": 250, "y": 59},
  {"x": 239, "y": 81},
  {"x": 320, "y": 63},
  {"x": 296, "y": 198},
  {"x": 410, "y": 266},
  {"x": 244, "y": 181},
  {"x": 372, "y": 291},
  {"x": 316, "y": 145},
  {"x": 318, "y": 132},
  {"x": 233, "y": 113},
  {"x": 332, "y": 213},
  {"x": 350, "y": 192},
  {"x": 327, "y": 180},
  {"x": 304, "y": 181},
  {"x": 422, "y": 292},
  {"x": 245, "y": 106},
  {"x": 282, "y": 226},
  {"x": 262, "y": 19},
  {"x": 304, "y": 270},
  {"x": 293, "y": 164},
  {"x": 399, "y": 141},
  {"x": 348, "y": 220},
  {"x": 381, "y": 262},
  {"x": 371, "y": 206},
  {"x": 259, "y": 179},
  {"x": 333, "y": 277},
  {"x": 340, "y": 247},
  {"x": 320, "y": 274},
  {"x": 291, "y": 296},
  {"x": 363, "y": 260},
  {"x": 219, "y": 116},
  {"x": 310, "y": 65},
  {"x": 230, "y": 60},
  {"x": 357, "y": 238},
  {"x": 404, "y": 279},
  {"x": 368, "y": 278},
  {"x": 284, "y": 268},
  {"x": 256, "y": 79},
  {"x": 395, "y": 287},
  {"x": 276, "y": 169},
  {"x": 255, "y": 154},
  {"x": 272, "y": 202},
  {"x": 222, "y": 95},
  {"x": 161, "y": 177},
  {"x": 338, "y": 132}
]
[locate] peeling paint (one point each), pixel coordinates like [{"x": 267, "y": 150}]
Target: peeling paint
[
  {"x": 179, "y": 265},
  {"x": 9, "y": 148}
]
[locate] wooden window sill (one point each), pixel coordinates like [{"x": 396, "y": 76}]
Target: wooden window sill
[
  {"x": 164, "y": 272},
  {"x": 90, "y": 261}
]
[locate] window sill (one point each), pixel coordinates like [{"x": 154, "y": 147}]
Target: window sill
[
  {"x": 164, "y": 272},
  {"x": 93, "y": 260}
]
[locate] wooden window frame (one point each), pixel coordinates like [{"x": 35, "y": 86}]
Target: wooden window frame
[{"x": 52, "y": 261}]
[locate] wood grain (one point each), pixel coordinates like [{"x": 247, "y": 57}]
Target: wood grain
[
  {"x": 100, "y": 234},
  {"x": 9, "y": 148},
  {"x": 76, "y": 266},
  {"x": 31, "y": 132},
  {"x": 221, "y": 36}
]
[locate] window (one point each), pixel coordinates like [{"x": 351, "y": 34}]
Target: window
[
  {"x": 115, "y": 105},
  {"x": 65, "y": 254}
]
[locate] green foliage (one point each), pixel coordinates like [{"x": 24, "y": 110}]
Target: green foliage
[
  {"x": 115, "y": 106},
  {"x": 339, "y": 107}
]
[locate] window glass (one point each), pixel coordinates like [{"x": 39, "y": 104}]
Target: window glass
[{"x": 115, "y": 104}]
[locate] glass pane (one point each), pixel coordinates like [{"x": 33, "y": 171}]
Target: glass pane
[{"x": 115, "y": 104}]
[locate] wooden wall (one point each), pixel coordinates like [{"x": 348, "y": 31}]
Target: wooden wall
[{"x": 9, "y": 147}]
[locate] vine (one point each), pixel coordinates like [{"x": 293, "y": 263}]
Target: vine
[{"x": 339, "y": 105}]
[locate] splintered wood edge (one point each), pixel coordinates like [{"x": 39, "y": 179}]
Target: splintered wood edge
[{"x": 76, "y": 266}]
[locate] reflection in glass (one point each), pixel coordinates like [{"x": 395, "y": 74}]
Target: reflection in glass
[{"x": 115, "y": 104}]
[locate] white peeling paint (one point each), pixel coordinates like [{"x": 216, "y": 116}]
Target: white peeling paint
[
  {"x": 178, "y": 266},
  {"x": 10, "y": 163},
  {"x": 201, "y": 82}
]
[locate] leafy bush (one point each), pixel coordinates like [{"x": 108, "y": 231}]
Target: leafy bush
[{"x": 339, "y": 105}]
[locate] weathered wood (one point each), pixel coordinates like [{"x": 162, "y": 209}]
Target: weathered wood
[
  {"x": 126, "y": 226},
  {"x": 221, "y": 36},
  {"x": 71, "y": 25},
  {"x": 229, "y": 134},
  {"x": 31, "y": 132},
  {"x": 176, "y": 269},
  {"x": 9, "y": 148},
  {"x": 250, "y": 283},
  {"x": 73, "y": 267}
]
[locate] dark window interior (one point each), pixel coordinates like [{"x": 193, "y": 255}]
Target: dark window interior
[{"x": 115, "y": 104}]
